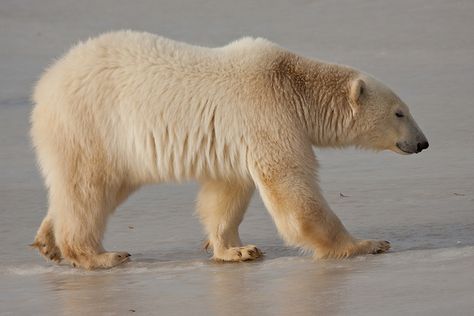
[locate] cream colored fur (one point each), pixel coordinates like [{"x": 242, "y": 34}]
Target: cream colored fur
[{"x": 127, "y": 108}]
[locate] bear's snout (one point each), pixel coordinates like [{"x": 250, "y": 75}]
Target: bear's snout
[
  {"x": 412, "y": 148},
  {"x": 422, "y": 145}
]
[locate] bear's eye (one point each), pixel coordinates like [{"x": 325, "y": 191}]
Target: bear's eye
[{"x": 399, "y": 114}]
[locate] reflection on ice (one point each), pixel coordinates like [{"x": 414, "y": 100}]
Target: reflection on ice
[
  {"x": 423, "y": 204},
  {"x": 278, "y": 286}
]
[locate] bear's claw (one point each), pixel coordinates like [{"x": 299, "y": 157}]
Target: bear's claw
[
  {"x": 244, "y": 253},
  {"x": 50, "y": 252}
]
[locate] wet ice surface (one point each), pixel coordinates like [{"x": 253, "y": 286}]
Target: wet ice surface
[
  {"x": 413, "y": 282},
  {"x": 423, "y": 204}
]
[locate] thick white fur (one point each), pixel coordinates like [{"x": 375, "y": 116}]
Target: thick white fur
[{"x": 127, "y": 108}]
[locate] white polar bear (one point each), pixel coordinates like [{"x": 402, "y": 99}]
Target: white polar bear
[{"x": 128, "y": 108}]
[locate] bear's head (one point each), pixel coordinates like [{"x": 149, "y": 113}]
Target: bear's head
[{"x": 381, "y": 120}]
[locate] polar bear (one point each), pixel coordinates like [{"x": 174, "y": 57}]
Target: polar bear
[{"x": 127, "y": 108}]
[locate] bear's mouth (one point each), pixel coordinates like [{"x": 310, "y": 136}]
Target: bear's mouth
[{"x": 403, "y": 150}]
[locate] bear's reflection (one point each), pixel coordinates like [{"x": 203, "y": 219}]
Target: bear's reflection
[
  {"x": 92, "y": 293},
  {"x": 301, "y": 287},
  {"x": 279, "y": 286}
]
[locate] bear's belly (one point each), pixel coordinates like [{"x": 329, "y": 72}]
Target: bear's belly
[{"x": 173, "y": 154}]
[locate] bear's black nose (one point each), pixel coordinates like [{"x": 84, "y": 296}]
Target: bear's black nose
[{"x": 421, "y": 146}]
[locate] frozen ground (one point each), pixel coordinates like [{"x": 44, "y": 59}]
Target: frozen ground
[{"x": 423, "y": 204}]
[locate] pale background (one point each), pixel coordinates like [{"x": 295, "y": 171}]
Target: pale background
[{"x": 423, "y": 204}]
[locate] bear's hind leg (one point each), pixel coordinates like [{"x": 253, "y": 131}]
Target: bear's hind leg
[
  {"x": 222, "y": 206},
  {"x": 45, "y": 241},
  {"x": 80, "y": 222},
  {"x": 79, "y": 232}
]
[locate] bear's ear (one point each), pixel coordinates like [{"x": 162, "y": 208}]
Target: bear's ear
[{"x": 358, "y": 89}]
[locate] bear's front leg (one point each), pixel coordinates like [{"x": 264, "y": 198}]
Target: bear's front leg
[
  {"x": 291, "y": 193},
  {"x": 221, "y": 206}
]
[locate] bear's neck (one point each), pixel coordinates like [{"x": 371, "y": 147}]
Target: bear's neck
[{"x": 322, "y": 91}]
